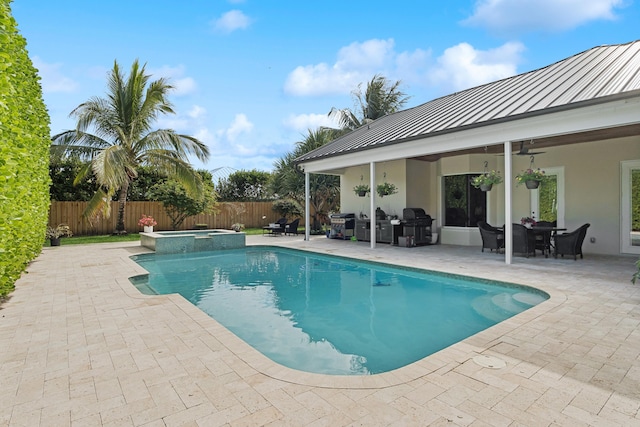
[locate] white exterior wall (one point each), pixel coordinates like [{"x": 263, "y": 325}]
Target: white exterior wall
[{"x": 592, "y": 189}]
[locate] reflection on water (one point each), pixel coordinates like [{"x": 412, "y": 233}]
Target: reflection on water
[{"x": 331, "y": 315}]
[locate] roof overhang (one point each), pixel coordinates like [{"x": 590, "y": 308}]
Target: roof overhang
[{"x": 619, "y": 117}]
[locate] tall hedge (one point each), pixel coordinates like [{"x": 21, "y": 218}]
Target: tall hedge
[{"x": 24, "y": 155}]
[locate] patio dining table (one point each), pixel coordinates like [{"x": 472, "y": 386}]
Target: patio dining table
[{"x": 546, "y": 232}]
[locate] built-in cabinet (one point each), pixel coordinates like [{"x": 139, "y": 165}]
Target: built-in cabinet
[{"x": 385, "y": 232}]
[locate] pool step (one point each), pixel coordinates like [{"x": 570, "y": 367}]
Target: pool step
[{"x": 498, "y": 307}]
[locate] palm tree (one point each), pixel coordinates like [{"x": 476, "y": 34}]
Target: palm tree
[
  {"x": 288, "y": 179},
  {"x": 123, "y": 139},
  {"x": 380, "y": 98}
]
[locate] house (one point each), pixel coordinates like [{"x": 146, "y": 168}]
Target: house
[{"x": 577, "y": 119}]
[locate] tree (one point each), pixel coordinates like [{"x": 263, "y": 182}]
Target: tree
[
  {"x": 177, "y": 202},
  {"x": 244, "y": 186},
  {"x": 380, "y": 98},
  {"x": 123, "y": 139},
  {"x": 288, "y": 179},
  {"x": 63, "y": 172}
]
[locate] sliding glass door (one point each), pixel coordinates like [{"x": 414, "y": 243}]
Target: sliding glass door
[{"x": 630, "y": 207}]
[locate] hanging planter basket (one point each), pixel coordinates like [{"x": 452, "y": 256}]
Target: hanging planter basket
[
  {"x": 361, "y": 190},
  {"x": 486, "y": 179},
  {"x": 532, "y": 185}
]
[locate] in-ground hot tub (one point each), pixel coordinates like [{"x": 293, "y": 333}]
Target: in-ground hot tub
[{"x": 175, "y": 242}]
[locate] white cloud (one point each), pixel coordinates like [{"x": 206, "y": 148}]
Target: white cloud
[
  {"x": 182, "y": 85},
  {"x": 462, "y": 66},
  {"x": 304, "y": 122},
  {"x": 52, "y": 78},
  {"x": 196, "y": 112},
  {"x": 240, "y": 125},
  {"x": 548, "y": 15},
  {"x": 355, "y": 64},
  {"x": 231, "y": 21}
]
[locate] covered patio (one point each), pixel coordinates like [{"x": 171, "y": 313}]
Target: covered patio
[
  {"x": 577, "y": 119},
  {"x": 80, "y": 346}
]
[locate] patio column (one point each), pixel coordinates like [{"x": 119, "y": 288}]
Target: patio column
[
  {"x": 307, "y": 218},
  {"x": 508, "y": 188},
  {"x": 372, "y": 207}
]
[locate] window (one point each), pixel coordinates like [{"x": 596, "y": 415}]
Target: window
[{"x": 464, "y": 204}]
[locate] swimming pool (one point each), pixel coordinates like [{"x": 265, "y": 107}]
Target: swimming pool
[{"x": 332, "y": 315}]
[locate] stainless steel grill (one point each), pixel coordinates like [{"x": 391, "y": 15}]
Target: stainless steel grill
[{"x": 417, "y": 223}]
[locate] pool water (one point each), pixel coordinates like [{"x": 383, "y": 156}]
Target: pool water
[{"x": 333, "y": 315}]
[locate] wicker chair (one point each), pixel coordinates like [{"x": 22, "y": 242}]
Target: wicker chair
[
  {"x": 524, "y": 241},
  {"x": 292, "y": 227},
  {"x": 492, "y": 237},
  {"x": 571, "y": 243}
]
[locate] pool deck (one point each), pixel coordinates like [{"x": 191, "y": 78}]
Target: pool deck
[{"x": 80, "y": 346}]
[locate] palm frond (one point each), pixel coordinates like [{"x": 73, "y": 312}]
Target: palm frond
[{"x": 100, "y": 204}]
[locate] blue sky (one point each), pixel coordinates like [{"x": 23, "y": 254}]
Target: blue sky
[{"x": 252, "y": 76}]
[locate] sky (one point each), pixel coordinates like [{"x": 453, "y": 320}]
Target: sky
[{"x": 252, "y": 77}]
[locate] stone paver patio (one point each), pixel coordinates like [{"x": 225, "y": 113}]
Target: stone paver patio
[{"x": 80, "y": 346}]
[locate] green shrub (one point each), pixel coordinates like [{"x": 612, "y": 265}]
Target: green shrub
[{"x": 24, "y": 155}]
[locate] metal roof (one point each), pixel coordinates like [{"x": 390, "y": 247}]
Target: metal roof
[{"x": 593, "y": 76}]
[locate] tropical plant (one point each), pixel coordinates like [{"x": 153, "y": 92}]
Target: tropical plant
[
  {"x": 531, "y": 175},
  {"x": 179, "y": 204},
  {"x": 386, "y": 189},
  {"x": 123, "y": 139},
  {"x": 361, "y": 189},
  {"x": 487, "y": 178},
  {"x": 287, "y": 208},
  {"x": 61, "y": 230},
  {"x": 381, "y": 97},
  {"x": 289, "y": 180}
]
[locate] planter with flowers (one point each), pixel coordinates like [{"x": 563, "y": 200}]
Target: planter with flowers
[
  {"x": 361, "y": 189},
  {"x": 531, "y": 178},
  {"x": 55, "y": 233},
  {"x": 147, "y": 222},
  {"x": 386, "y": 189},
  {"x": 528, "y": 221},
  {"x": 486, "y": 180}
]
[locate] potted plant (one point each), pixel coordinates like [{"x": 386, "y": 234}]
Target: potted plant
[
  {"x": 486, "y": 180},
  {"x": 361, "y": 189},
  {"x": 531, "y": 178},
  {"x": 237, "y": 227},
  {"x": 386, "y": 189},
  {"x": 55, "y": 233},
  {"x": 528, "y": 221},
  {"x": 147, "y": 222}
]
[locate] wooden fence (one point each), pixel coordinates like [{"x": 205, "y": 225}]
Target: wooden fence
[{"x": 248, "y": 213}]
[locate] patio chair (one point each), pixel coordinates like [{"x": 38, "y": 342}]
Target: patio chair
[
  {"x": 492, "y": 237},
  {"x": 292, "y": 227},
  {"x": 571, "y": 243},
  {"x": 524, "y": 241}
]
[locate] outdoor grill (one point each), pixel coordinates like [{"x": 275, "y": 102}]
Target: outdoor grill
[
  {"x": 417, "y": 223},
  {"x": 342, "y": 225}
]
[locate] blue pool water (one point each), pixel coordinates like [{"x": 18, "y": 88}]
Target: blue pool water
[{"x": 333, "y": 315}]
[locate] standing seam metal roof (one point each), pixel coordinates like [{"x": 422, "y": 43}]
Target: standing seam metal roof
[{"x": 589, "y": 76}]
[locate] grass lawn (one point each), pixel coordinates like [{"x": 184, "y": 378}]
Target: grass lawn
[{"x": 131, "y": 237}]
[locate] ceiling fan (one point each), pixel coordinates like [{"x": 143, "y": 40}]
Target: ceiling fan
[{"x": 524, "y": 150}]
